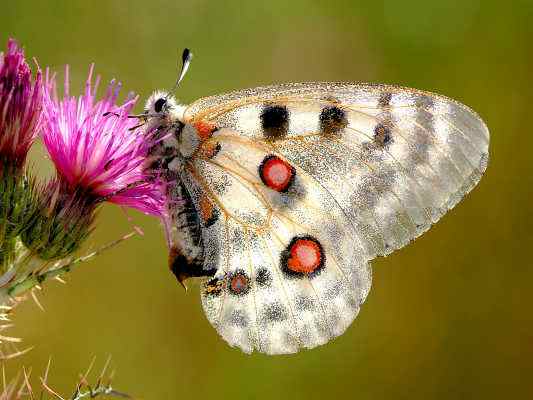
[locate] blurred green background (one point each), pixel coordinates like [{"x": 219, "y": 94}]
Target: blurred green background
[{"x": 449, "y": 316}]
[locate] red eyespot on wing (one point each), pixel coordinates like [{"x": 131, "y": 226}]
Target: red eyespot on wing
[
  {"x": 305, "y": 255},
  {"x": 239, "y": 284},
  {"x": 276, "y": 173}
]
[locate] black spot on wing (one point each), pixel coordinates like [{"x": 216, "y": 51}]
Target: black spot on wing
[
  {"x": 382, "y": 134},
  {"x": 275, "y": 312},
  {"x": 332, "y": 120},
  {"x": 384, "y": 99},
  {"x": 275, "y": 121},
  {"x": 263, "y": 277},
  {"x": 305, "y": 303},
  {"x": 238, "y": 318}
]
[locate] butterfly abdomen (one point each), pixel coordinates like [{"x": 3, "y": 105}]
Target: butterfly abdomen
[{"x": 186, "y": 257}]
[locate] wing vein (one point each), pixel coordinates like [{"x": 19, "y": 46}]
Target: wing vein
[
  {"x": 390, "y": 190},
  {"x": 410, "y": 145},
  {"x": 225, "y": 269},
  {"x": 283, "y": 288},
  {"x": 254, "y": 289}
]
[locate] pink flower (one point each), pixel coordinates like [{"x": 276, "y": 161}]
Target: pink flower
[
  {"x": 95, "y": 147},
  {"x": 20, "y": 105}
]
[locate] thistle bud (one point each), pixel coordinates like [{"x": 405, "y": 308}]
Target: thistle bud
[{"x": 62, "y": 222}]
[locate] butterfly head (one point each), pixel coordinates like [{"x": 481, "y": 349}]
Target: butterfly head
[
  {"x": 163, "y": 109},
  {"x": 165, "y": 116}
]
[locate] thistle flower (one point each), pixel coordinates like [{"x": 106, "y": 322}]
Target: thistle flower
[
  {"x": 99, "y": 156},
  {"x": 20, "y": 106}
]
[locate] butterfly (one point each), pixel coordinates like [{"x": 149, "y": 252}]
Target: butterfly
[{"x": 280, "y": 196}]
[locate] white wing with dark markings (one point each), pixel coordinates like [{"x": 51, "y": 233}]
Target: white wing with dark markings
[{"x": 311, "y": 182}]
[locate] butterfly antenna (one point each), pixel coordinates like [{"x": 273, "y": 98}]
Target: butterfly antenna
[{"x": 186, "y": 58}]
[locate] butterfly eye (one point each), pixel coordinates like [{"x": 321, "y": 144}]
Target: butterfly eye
[{"x": 159, "y": 104}]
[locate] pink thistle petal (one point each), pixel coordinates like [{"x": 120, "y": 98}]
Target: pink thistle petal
[
  {"x": 99, "y": 154},
  {"x": 20, "y": 105}
]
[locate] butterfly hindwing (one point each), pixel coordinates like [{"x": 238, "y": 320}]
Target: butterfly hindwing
[
  {"x": 261, "y": 303},
  {"x": 312, "y": 181}
]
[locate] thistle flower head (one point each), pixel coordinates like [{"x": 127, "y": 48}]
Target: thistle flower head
[
  {"x": 94, "y": 148},
  {"x": 20, "y": 106},
  {"x": 99, "y": 156}
]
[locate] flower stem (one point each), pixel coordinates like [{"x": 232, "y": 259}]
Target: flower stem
[{"x": 33, "y": 280}]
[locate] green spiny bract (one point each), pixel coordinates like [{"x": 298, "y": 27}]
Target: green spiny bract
[
  {"x": 18, "y": 206},
  {"x": 62, "y": 223}
]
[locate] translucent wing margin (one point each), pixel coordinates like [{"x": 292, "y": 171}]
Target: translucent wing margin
[{"x": 375, "y": 167}]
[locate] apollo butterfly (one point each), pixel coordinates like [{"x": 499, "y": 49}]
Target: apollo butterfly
[{"x": 287, "y": 192}]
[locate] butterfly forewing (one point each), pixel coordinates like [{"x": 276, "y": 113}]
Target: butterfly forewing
[{"x": 311, "y": 181}]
